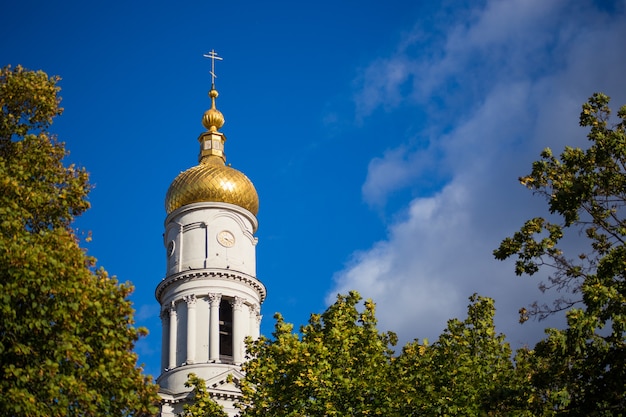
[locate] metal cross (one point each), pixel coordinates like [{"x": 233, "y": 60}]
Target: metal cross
[{"x": 213, "y": 56}]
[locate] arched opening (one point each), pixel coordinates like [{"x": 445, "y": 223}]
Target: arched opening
[{"x": 226, "y": 331}]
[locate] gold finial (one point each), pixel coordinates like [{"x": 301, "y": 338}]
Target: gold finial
[
  {"x": 212, "y": 142},
  {"x": 213, "y": 119}
]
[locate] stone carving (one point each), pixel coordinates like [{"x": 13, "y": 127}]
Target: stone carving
[
  {"x": 190, "y": 300},
  {"x": 237, "y": 303},
  {"x": 215, "y": 299}
]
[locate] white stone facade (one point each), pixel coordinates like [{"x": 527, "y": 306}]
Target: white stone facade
[{"x": 210, "y": 301}]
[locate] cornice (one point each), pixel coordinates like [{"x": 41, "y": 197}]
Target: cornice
[
  {"x": 227, "y": 207},
  {"x": 220, "y": 274}
]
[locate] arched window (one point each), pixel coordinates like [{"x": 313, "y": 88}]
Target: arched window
[{"x": 226, "y": 331}]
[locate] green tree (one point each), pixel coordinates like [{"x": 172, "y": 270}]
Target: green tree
[
  {"x": 581, "y": 370},
  {"x": 66, "y": 328},
  {"x": 339, "y": 365},
  {"x": 468, "y": 371},
  {"x": 202, "y": 404}
]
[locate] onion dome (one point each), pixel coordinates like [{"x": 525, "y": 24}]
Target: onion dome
[
  {"x": 211, "y": 180},
  {"x": 213, "y": 119}
]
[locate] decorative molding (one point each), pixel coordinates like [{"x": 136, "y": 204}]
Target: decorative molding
[
  {"x": 189, "y": 396},
  {"x": 214, "y": 386},
  {"x": 237, "y": 303},
  {"x": 215, "y": 299},
  {"x": 189, "y": 275},
  {"x": 219, "y": 205},
  {"x": 193, "y": 226},
  {"x": 242, "y": 226},
  {"x": 190, "y": 299}
]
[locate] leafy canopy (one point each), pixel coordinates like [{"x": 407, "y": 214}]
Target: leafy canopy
[
  {"x": 581, "y": 370},
  {"x": 467, "y": 371},
  {"x": 341, "y": 365},
  {"x": 338, "y": 366},
  {"x": 66, "y": 334}
]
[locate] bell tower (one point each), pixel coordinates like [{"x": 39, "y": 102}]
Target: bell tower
[{"x": 210, "y": 297}]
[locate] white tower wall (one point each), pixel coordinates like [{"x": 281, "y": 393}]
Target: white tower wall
[
  {"x": 210, "y": 300},
  {"x": 192, "y": 238}
]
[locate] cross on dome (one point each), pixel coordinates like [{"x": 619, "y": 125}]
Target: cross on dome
[{"x": 212, "y": 55}]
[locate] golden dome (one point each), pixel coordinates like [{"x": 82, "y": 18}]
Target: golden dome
[{"x": 212, "y": 180}]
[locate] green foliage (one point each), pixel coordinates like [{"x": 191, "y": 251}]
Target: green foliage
[
  {"x": 339, "y": 366},
  {"x": 581, "y": 370},
  {"x": 29, "y": 101},
  {"x": 468, "y": 371},
  {"x": 66, "y": 334},
  {"x": 202, "y": 405}
]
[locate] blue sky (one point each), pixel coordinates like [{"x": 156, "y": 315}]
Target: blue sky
[{"x": 384, "y": 140}]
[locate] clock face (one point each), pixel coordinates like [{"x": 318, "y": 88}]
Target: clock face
[{"x": 226, "y": 238}]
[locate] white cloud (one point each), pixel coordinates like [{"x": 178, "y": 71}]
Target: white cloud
[
  {"x": 383, "y": 90},
  {"x": 394, "y": 170},
  {"x": 520, "y": 69}
]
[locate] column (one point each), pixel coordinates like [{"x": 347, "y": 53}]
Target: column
[
  {"x": 191, "y": 328},
  {"x": 214, "y": 327},
  {"x": 257, "y": 321},
  {"x": 252, "y": 312},
  {"x": 253, "y": 330},
  {"x": 239, "y": 330},
  {"x": 173, "y": 332},
  {"x": 165, "y": 319}
]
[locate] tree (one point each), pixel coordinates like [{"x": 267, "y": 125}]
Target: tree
[
  {"x": 339, "y": 365},
  {"x": 581, "y": 370},
  {"x": 202, "y": 404},
  {"x": 66, "y": 334},
  {"x": 468, "y": 371}
]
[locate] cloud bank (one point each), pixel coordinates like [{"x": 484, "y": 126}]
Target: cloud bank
[{"x": 499, "y": 83}]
